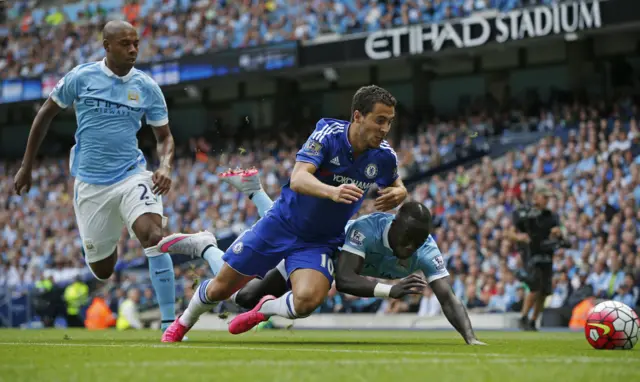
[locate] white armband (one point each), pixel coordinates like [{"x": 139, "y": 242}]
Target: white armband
[{"x": 382, "y": 290}]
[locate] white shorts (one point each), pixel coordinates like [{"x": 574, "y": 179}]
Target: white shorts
[{"x": 102, "y": 212}]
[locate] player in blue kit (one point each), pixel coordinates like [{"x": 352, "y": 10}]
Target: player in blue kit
[
  {"x": 379, "y": 245},
  {"x": 339, "y": 162},
  {"x": 112, "y": 185}
]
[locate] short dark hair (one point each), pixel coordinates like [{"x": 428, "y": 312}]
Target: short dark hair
[
  {"x": 415, "y": 218},
  {"x": 368, "y": 96}
]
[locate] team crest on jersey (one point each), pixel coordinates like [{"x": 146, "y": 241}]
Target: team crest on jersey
[
  {"x": 237, "y": 248},
  {"x": 371, "y": 171},
  {"x": 313, "y": 147},
  {"x": 133, "y": 95},
  {"x": 357, "y": 237}
]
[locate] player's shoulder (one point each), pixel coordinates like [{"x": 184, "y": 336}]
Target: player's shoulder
[
  {"x": 144, "y": 78},
  {"x": 386, "y": 152},
  {"x": 374, "y": 221},
  {"x": 88, "y": 68},
  {"x": 329, "y": 128},
  {"x": 429, "y": 249}
]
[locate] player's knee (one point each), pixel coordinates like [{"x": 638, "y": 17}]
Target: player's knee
[
  {"x": 218, "y": 291},
  {"x": 151, "y": 236},
  {"x": 306, "y": 300}
]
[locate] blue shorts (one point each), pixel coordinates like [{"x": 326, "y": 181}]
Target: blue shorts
[{"x": 259, "y": 249}]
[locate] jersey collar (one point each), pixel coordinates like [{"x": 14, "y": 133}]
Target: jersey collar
[
  {"x": 346, "y": 139},
  {"x": 108, "y": 72},
  {"x": 385, "y": 236}
]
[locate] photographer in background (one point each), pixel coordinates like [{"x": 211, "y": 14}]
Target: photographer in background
[{"x": 537, "y": 232}]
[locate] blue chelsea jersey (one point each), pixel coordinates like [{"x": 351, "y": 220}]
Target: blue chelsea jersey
[
  {"x": 108, "y": 111},
  {"x": 328, "y": 149},
  {"x": 368, "y": 236}
]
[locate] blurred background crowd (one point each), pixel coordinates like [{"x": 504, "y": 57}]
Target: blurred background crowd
[
  {"x": 52, "y": 37},
  {"x": 589, "y": 154}
]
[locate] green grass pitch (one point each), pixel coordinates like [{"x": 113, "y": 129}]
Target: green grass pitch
[{"x": 305, "y": 356}]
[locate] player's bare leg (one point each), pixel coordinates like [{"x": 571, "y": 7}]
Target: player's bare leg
[
  {"x": 205, "y": 298},
  {"x": 309, "y": 288},
  {"x": 103, "y": 269},
  {"x": 272, "y": 284}
]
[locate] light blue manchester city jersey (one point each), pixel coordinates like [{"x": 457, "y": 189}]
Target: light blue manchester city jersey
[
  {"x": 367, "y": 236},
  {"x": 109, "y": 109}
]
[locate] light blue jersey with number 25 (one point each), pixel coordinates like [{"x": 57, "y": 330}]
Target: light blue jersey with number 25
[
  {"x": 367, "y": 236},
  {"x": 108, "y": 111}
]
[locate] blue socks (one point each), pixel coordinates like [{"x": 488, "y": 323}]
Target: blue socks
[
  {"x": 213, "y": 256},
  {"x": 163, "y": 281},
  {"x": 262, "y": 202}
]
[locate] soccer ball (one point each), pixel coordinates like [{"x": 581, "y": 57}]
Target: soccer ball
[{"x": 612, "y": 325}]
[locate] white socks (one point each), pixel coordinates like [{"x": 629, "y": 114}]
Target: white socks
[
  {"x": 281, "y": 306},
  {"x": 198, "y": 305}
]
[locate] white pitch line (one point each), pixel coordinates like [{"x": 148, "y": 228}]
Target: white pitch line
[
  {"x": 255, "y": 348},
  {"x": 433, "y": 354},
  {"x": 319, "y": 362}
]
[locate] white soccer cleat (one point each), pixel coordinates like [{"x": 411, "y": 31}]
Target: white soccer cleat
[
  {"x": 246, "y": 181},
  {"x": 187, "y": 244}
]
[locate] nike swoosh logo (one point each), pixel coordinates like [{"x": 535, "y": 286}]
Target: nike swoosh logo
[
  {"x": 89, "y": 89},
  {"x": 473, "y": 134},
  {"x": 149, "y": 203},
  {"x": 163, "y": 271},
  {"x": 604, "y": 328}
]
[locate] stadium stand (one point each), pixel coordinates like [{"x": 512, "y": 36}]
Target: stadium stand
[{"x": 173, "y": 28}]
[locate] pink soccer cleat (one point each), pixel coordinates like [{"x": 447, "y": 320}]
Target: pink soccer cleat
[
  {"x": 175, "y": 332},
  {"x": 247, "y": 321},
  {"x": 246, "y": 181},
  {"x": 192, "y": 245}
]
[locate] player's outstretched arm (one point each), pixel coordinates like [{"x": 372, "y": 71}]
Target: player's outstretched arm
[
  {"x": 349, "y": 281},
  {"x": 454, "y": 310},
  {"x": 304, "y": 182},
  {"x": 39, "y": 128}
]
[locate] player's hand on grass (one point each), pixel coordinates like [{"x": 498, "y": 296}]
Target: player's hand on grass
[
  {"x": 475, "y": 342},
  {"x": 22, "y": 180},
  {"x": 412, "y": 284},
  {"x": 347, "y": 194},
  {"x": 390, "y": 198},
  {"x": 161, "y": 181}
]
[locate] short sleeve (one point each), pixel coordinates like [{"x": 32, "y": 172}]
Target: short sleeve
[
  {"x": 66, "y": 90},
  {"x": 356, "y": 238},
  {"x": 432, "y": 263},
  {"x": 317, "y": 147},
  {"x": 388, "y": 166},
  {"x": 157, "y": 113}
]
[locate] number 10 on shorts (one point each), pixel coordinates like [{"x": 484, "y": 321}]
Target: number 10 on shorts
[{"x": 326, "y": 263}]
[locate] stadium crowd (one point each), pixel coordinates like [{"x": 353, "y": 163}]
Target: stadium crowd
[
  {"x": 173, "y": 28},
  {"x": 592, "y": 161}
]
